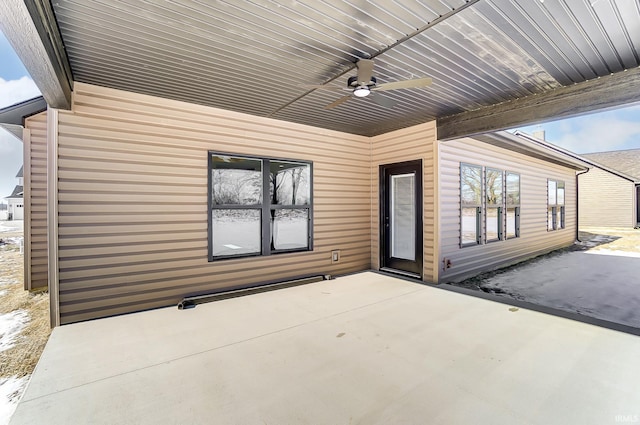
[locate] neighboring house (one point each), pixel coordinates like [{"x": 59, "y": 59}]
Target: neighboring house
[
  {"x": 15, "y": 201},
  {"x": 610, "y": 192},
  {"x": 184, "y": 152}
]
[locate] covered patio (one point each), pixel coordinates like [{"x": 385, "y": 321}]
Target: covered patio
[{"x": 364, "y": 348}]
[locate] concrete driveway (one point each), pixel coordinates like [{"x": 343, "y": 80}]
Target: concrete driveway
[
  {"x": 361, "y": 349},
  {"x": 599, "y": 278}
]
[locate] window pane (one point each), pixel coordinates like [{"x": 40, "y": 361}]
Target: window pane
[
  {"x": 403, "y": 216},
  {"x": 550, "y": 218},
  {"x": 493, "y": 223},
  {"x": 494, "y": 187},
  {"x": 236, "y": 181},
  {"x": 469, "y": 226},
  {"x": 552, "y": 192},
  {"x": 560, "y": 199},
  {"x": 513, "y": 189},
  {"x": 290, "y": 229},
  {"x": 236, "y": 232},
  {"x": 511, "y": 223},
  {"x": 470, "y": 185},
  {"x": 290, "y": 183}
]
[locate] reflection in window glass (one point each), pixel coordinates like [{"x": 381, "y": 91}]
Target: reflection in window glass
[
  {"x": 290, "y": 229},
  {"x": 470, "y": 185},
  {"x": 560, "y": 197},
  {"x": 469, "y": 226},
  {"x": 493, "y": 224},
  {"x": 290, "y": 183},
  {"x": 512, "y": 218},
  {"x": 235, "y": 231},
  {"x": 235, "y": 180},
  {"x": 552, "y": 192},
  {"x": 494, "y": 187},
  {"x": 513, "y": 189}
]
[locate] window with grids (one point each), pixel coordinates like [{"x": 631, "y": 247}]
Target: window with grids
[
  {"x": 258, "y": 206},
  {"x": 555, "y": 205},
  {"x": 489, "y": 205}
]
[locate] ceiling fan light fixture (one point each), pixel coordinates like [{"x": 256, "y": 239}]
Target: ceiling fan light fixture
[{"x": 361, "y": 91}]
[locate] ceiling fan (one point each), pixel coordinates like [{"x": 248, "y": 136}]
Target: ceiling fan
[{"x": 364, "y": 84}]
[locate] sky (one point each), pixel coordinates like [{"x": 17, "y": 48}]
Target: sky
[
  {"x": 604, "y": 131},
  {"x": 15, "y": 86}
]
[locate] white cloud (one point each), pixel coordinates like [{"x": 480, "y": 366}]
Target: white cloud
[
  {"x": 598, "y": 133},
  {"x": 14, "y": 91}
]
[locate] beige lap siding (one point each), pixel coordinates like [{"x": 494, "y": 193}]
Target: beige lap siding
[
  {"x": 133, "y": 200},
  {"x": 606, "y": 200},
  {"x": 35, "y": 202},
  {"x": 534, "y": 238},
  {"x": 417, "y": 142}
]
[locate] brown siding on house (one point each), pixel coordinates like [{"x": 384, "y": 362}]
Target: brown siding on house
[
  {"x": 534, "y": 238},
  {"x": 133, "y": 201},
  {"x": 606, "y": 200},
  {"x": 35, "y": 202},
  {"x": 417, "y": 142}
]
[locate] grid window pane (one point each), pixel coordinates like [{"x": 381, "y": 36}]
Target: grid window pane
[
  {"x": 493, "y": 187},
  {"x": 470, "y": 185},
  {"x": 469, "y": 226},
  {"x": 235, "y": 180},
  {"x": 290, "y": 183},
  {"x": 236, "y": 232},
  {"x": 552, "y": 192},
  {"x": 513, "y": 189},
  {"x": 560, "y": 197},
  {"x": 512, "y": 224},
  {"x": 290, "y": 229},
  {"x": 492, "y": 224}
]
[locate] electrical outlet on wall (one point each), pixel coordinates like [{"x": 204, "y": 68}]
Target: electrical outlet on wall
[{"x": 335, "y": 256}]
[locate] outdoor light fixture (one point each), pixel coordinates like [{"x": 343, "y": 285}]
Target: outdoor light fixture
[{"x": 361, "y": 91}]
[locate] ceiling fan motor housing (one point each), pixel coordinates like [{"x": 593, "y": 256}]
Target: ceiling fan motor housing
[{"x": 353, "y": 82}]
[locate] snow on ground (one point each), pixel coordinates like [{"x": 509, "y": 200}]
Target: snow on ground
[
  {"x": 615, "y": 252},
  {"x": 10, "y": 388},
  {"x": 11, "y": 324}
]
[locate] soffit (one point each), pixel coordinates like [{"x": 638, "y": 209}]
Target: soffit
[{"x": 256, "y": 56}]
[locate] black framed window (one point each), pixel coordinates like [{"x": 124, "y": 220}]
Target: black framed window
[
  {"x": 489, "y": 205},
  {"x": 258, "y": 206}
]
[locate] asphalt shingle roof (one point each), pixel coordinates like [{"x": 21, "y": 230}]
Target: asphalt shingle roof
[{"x": 626, "y": 161}]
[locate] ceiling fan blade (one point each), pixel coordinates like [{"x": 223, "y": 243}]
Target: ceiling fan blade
[
  {"x": 338, "y": 102},
  {"x": 406, "y": 84},
  {"x": 383, "y": 101},
  {"x": 365, "y": 71}
]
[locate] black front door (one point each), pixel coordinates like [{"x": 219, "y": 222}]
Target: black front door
[{"x": 401, "y": 218}]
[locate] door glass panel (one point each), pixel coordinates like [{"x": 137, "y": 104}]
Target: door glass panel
[{"x": 403, "y": 217}]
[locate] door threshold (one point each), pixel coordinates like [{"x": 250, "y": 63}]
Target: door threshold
[{"x": 401, "y": 272}]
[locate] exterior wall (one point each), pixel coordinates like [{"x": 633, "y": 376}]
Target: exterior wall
[
  {"x": 606, "y": 200},
  {"x": 534, "y": 238},
  {"x": 132, "y": 199},
  {"x": 35, "y": 201},
  {"x": 417, "y": 142}
]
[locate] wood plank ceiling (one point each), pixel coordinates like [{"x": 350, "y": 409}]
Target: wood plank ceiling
[{"x": 257, "y": 56}]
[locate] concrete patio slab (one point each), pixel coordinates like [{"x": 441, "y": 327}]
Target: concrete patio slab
[{"x": 365, "y": 348}]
